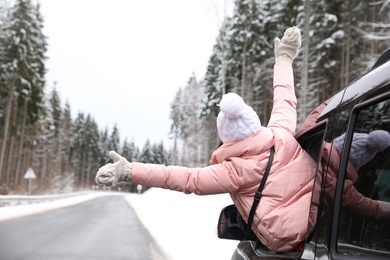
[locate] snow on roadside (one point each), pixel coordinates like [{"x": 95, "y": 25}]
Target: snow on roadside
[{"x": 184, "y": 225}]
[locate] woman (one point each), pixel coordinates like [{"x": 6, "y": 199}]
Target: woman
[{"x": 237, "y": 166}]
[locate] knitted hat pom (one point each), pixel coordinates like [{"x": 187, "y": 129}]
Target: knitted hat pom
[
  {"x": 378, "y": 140},
  {"x": 232, "y": 105}
]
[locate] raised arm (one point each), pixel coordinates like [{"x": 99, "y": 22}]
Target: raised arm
[{"x": 284, "y": 114}]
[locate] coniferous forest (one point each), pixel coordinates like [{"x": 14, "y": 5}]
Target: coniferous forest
[{"x": 341, "y": 40}]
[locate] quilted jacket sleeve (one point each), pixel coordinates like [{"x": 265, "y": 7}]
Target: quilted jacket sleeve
[
  {"x": 352, "y": 200},
  {"x": 213, "y": 179},
  {"x": 358, "y": 204},
  {"x": 284, "y": 114}
]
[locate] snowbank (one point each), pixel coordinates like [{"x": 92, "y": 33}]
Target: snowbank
[{"x": 184, "y": 225}]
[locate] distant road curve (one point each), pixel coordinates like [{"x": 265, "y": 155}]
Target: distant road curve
[
  {"x": 33, "y": 204},
  {"x": 105, "y": 227}
]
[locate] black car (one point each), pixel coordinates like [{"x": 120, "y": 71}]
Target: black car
[{"x": 361, "y": 107}]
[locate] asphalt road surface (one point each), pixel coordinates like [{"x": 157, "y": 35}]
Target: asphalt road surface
[{"x": 102, "y": 228}]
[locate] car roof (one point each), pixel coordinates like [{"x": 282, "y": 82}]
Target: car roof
[{"x": 374, "y": 82}]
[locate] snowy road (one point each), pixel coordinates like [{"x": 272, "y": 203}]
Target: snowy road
[{"x": 102, "y": 228}]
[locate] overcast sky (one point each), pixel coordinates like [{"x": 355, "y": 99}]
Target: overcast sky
[{"x": 122, "y": 61}]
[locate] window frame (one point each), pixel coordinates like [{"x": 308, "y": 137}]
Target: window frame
[
  {"x": 318, "y": 130},
  {"x": 341, "y": 178}
]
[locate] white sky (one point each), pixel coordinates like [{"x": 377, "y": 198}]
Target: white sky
[{"x": 123, "y": 61}]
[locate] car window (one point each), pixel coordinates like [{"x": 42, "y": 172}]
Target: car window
[
  {"x": 363, "y": 228},
  {"x": 325, "y": 184},
  {"x": 312, "y": 142}
]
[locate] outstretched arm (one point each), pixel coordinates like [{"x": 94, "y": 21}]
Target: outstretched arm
[
  {"x": 284, "y": 114},
  {"x": 213, "y": 179}
]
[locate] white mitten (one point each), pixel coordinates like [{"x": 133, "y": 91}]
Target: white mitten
[
  {"x": 114, "y": 173},
  {"x": 287, "y": 48},
  {"x": 384, "y": 208}
]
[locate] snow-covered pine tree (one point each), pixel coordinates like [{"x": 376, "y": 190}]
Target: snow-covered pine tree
[{"x": 22, "y": 74}]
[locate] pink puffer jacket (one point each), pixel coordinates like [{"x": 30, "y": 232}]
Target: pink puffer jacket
[{"x": 281, "y": 218}]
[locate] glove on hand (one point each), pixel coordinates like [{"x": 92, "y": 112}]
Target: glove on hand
[
  {"x": 384, "y": 207},
  {"x": 114, "y": 173},
  {"x": 287, "y": 48}
]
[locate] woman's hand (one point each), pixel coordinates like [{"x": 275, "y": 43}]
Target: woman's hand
[
  {"x": 287, "y": 48},
  {"x": 114, "y": 173}
]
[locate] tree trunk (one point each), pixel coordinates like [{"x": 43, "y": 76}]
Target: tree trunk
[
  {"x": 348, "y": 43},
  {"x": 9, "y": 161},
  {"x": 21, "y": 143},
  {"x": 243, "y": 73},
  {"x": 6, "y": 127},
  {"x": 305, "y": 64}
]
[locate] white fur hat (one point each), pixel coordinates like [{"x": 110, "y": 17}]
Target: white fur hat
[{"x": 236, "y": 120}]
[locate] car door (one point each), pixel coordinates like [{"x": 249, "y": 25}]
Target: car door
[
  {"x": 357, "y": 232},
  {"x": 349, "y": 224},
  {"x": 346, "y": 226}
]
